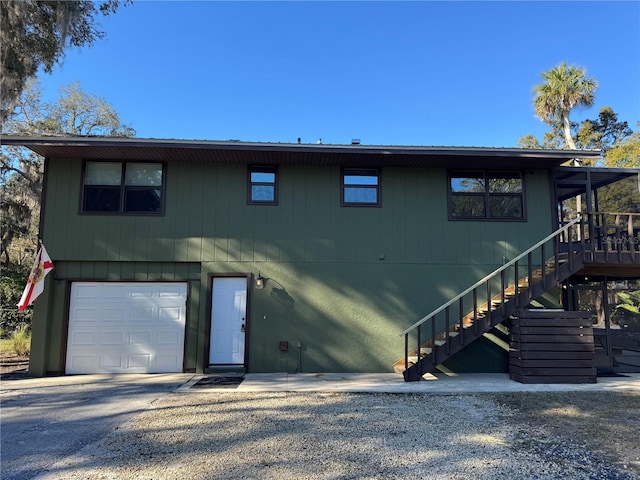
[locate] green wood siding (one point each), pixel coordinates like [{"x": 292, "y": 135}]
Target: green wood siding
[
  {"x": 207, "y": 219},
  {"x": 342, "y": 282}
]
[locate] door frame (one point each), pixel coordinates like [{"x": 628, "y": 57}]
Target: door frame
[{"x": 247, "y": 328}]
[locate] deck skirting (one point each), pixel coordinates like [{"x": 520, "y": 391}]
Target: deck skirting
[{"x": 551, "y": 346}]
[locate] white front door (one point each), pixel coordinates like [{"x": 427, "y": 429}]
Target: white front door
[{"x": 228, "y": 321}]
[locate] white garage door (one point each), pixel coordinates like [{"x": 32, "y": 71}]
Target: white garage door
[{"x": 126, "y": 327}]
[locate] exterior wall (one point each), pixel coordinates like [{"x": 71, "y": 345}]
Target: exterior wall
[{"x": 342, "y": 282}]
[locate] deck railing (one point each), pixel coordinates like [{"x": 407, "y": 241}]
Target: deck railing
[{"x": 612, "y": 233}]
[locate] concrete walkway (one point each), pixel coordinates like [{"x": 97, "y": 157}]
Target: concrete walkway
[{"x": 440, "y": 384}]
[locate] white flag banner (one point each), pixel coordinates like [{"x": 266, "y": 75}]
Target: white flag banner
[{"x": 35, "y": 283}]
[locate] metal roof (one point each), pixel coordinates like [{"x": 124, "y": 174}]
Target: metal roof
[{"x": 112, "y": 148}]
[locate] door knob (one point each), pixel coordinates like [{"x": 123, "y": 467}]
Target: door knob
[{"x": 242, "y": 328}]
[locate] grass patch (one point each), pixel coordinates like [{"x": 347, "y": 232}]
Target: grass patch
[
  {"x": 22, "y": 340},
  {"x": 18, "y": 343},
  {"x": 606, "y": 423},
  {"x": 6, "y": 345}
]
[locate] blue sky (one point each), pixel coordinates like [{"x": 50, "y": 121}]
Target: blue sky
[{"x": 389, "y": 73}]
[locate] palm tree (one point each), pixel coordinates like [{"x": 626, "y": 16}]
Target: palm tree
[{"x": 564, "y": 88}]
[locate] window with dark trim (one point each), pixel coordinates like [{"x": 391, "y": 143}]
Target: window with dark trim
[
  {"x": 123, "y": 187},
  {"x": 361, "y": 187},
  {"x": 486, "y": 195},
  {"x": 263, "y": 185}
]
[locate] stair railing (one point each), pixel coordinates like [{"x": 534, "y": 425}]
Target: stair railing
[{"x": 468, "y": 301}]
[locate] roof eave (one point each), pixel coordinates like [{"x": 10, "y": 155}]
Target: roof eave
[
  {"x": 51, "y": 140},
  {"x": 71, "y": 147}
]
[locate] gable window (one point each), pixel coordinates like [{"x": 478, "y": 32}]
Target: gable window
[
  {"x": 263, "y": 185},
  {"x": 361, "y": 186},
  {"x": 123, "y": 187},
  {"x": 486, "y": 195}
]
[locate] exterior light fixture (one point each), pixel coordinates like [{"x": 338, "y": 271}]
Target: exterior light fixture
[{"x": 259, "y": 281}]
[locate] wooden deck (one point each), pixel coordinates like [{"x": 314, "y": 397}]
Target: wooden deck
[{"x": 611, "y": 264}]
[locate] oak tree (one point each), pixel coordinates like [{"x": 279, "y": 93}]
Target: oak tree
[
  {"x": 74, "y": 113},
  {"x": 34, "y": 35}
]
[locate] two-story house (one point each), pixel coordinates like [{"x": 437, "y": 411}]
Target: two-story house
[{"x": 176, "y": 255}]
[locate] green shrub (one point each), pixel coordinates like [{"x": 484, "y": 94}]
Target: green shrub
[
  {"x": 627, "y": 313},
  {"x": 21, "y": 340},
  {"x": 12, "y": 283}
]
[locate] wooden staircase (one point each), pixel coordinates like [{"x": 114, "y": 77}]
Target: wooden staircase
[{"x": 468, "y": 316}]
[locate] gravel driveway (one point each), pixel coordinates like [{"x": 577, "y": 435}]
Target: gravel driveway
[{"x": 211, "y": 434}]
